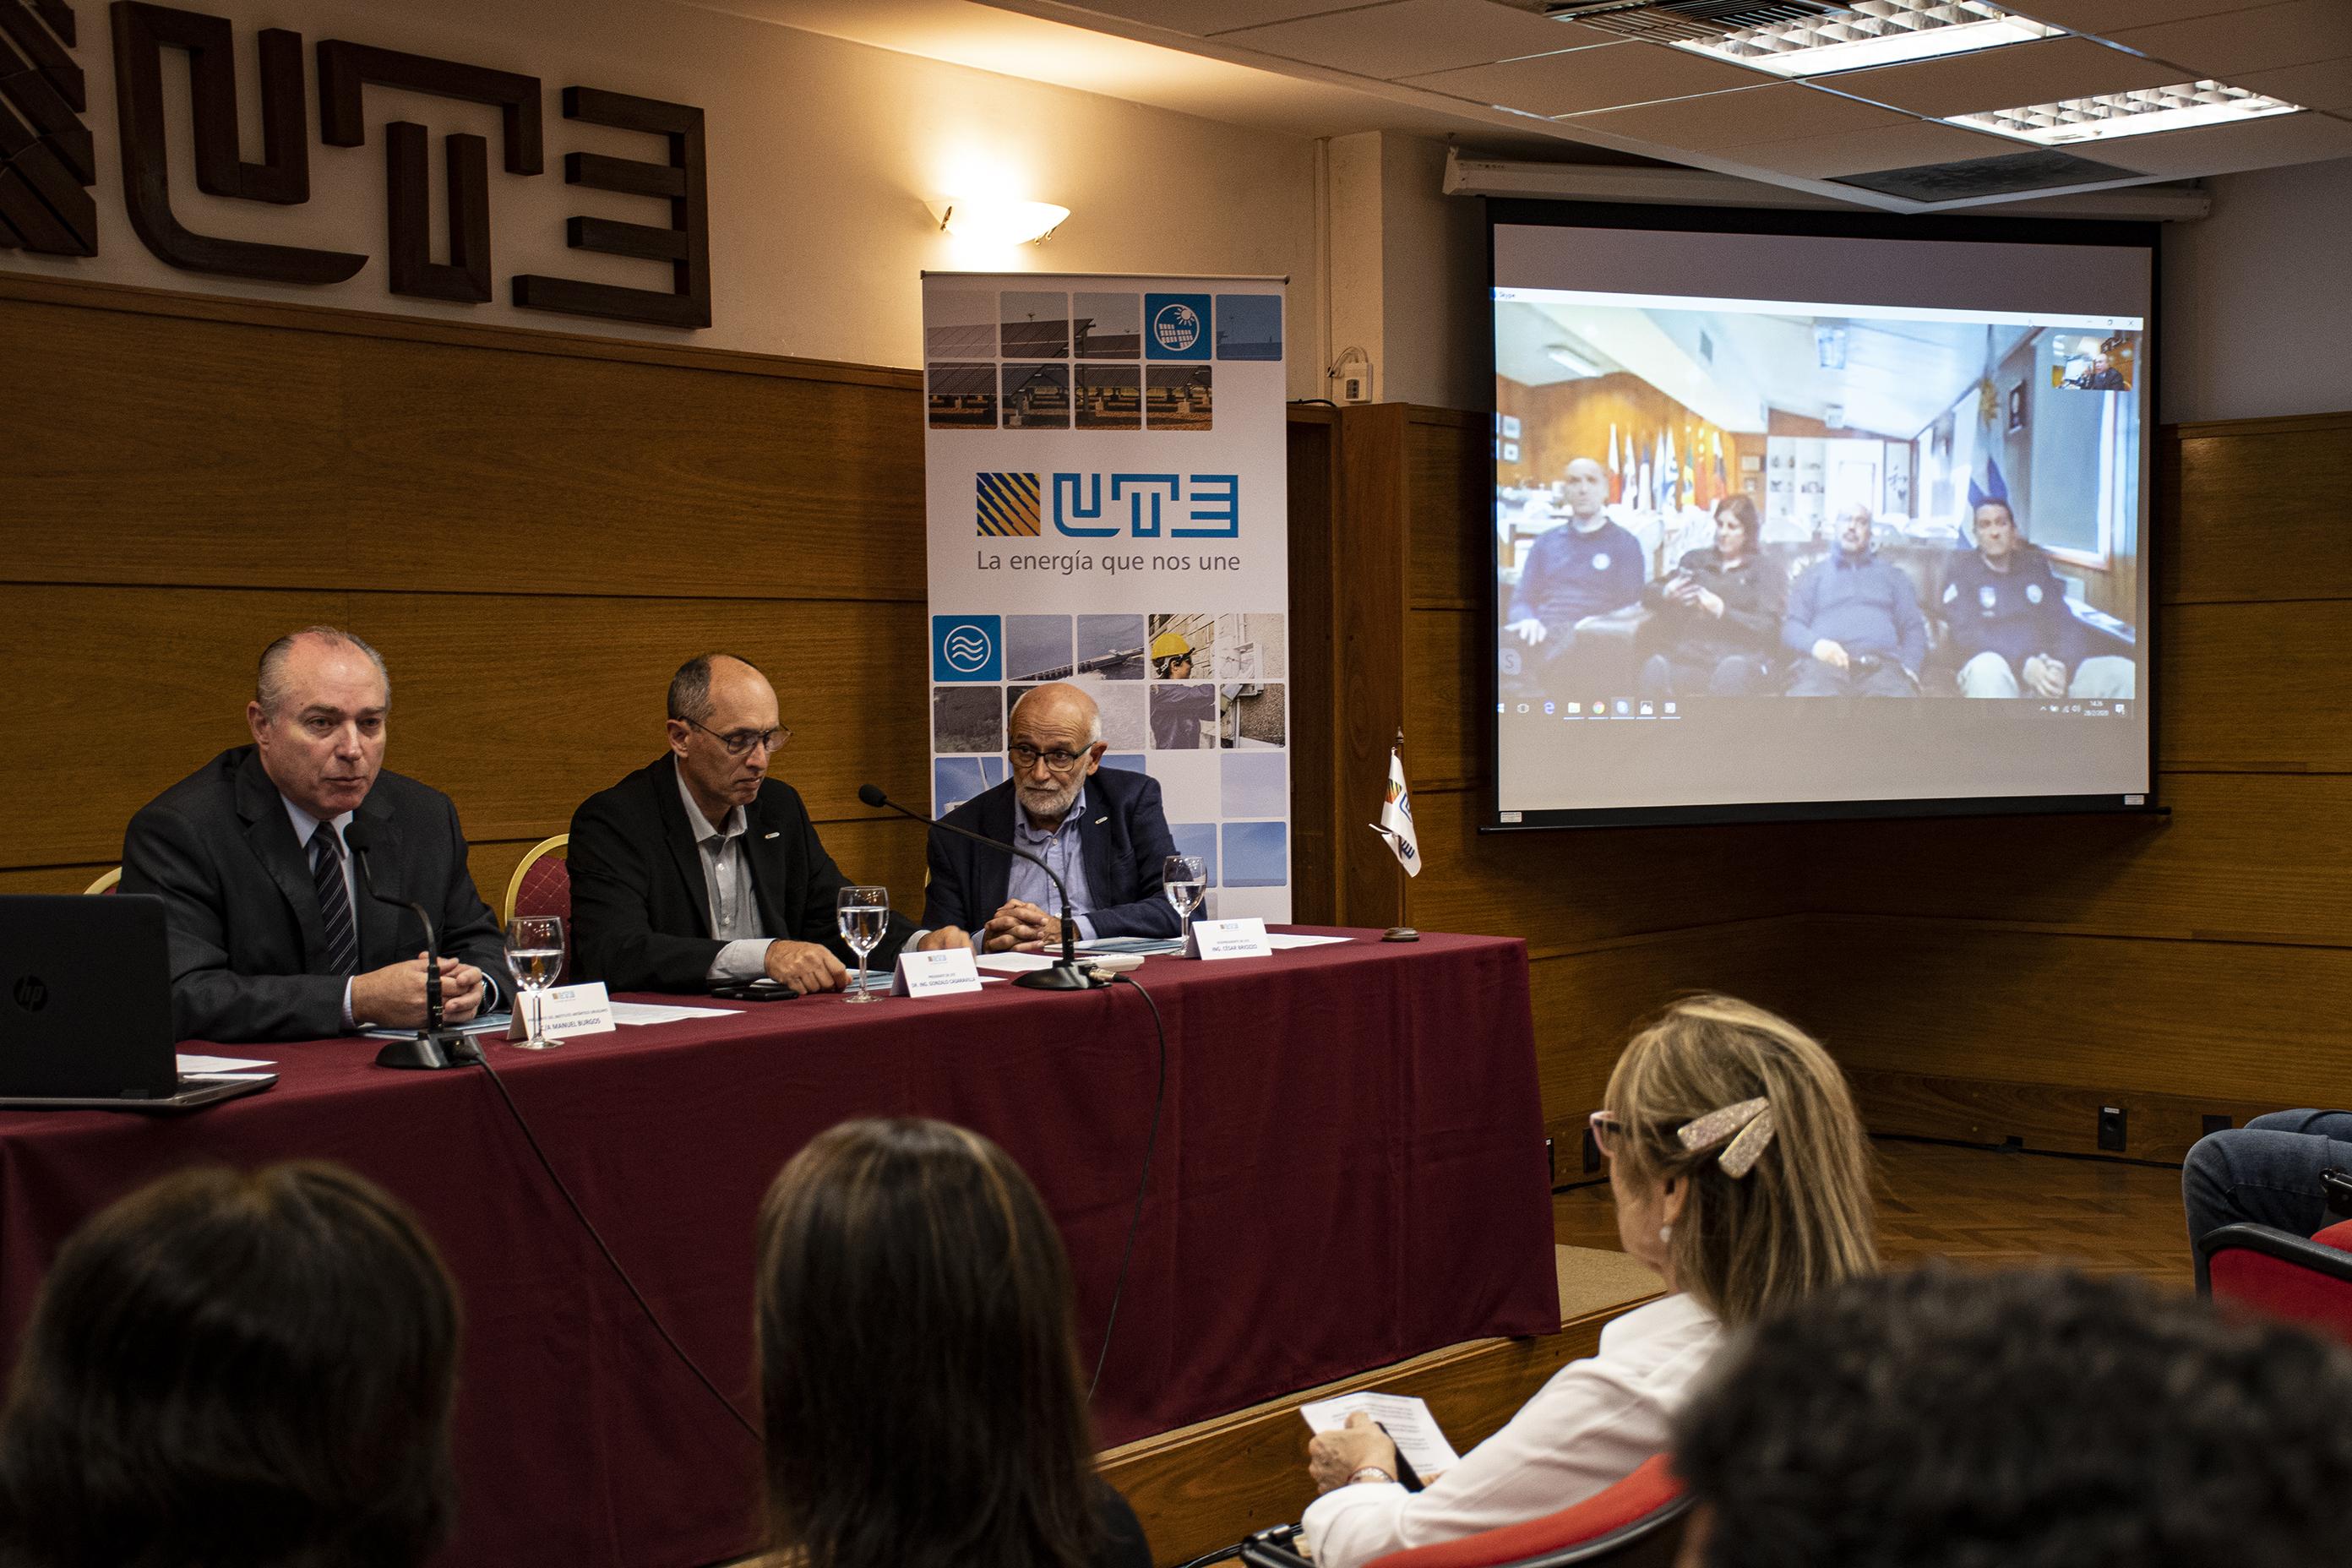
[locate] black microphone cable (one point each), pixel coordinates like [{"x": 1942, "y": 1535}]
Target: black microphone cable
[
  {"x": 1142, "y": 1188},
  {"x": 593, "y": 1234}
]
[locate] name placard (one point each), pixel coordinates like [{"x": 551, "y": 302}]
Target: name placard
[
  {"x": 1243, "y": 938},
  {"x": 565, "y": 1010},
  {"x": 942, "y": 972}
]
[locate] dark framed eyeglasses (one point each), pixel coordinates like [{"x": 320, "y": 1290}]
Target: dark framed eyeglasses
[
  {"x": 1025, "y": 757},
  {"x": 1606, "y": 1131},
  {"x": 739, "y": 743}
]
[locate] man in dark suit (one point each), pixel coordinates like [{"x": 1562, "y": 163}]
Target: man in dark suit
[
  {"x": 272, "y": 934},
  {"x": 699, "y": 868},
  {"x": 1104, "y": 832}
]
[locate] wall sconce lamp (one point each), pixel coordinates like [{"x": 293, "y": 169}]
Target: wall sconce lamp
[{"x": 991, "y": 221}]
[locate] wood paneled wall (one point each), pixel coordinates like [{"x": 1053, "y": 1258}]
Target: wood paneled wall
[
  {"x": 533, "y": 528},
  {"x": 1986, "y": 979}
]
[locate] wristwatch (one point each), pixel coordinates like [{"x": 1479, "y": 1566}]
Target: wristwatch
[{"x": 1371, "y": 1474}]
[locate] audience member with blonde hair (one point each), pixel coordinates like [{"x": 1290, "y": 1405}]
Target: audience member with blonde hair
[
  {"x": 920, "y": 1388},
  {"x": 1741, "y": 1175}
]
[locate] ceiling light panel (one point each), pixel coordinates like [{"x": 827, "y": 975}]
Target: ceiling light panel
[
  {"x": 2178, "y": 107},
  {"x": 1871, "y": 33}
]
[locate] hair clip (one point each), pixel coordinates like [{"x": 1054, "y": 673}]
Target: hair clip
[{"x": 1751, "y": 1119}]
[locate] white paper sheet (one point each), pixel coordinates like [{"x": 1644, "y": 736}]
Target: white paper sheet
[
  {"x": 663, "y": 1013},
  {"x": 1014, "y": 963},
  {"x": 1279, "y": 940},
  {"x": 220, "y": 1064},
  {"x": 1409, "y": 1425}
]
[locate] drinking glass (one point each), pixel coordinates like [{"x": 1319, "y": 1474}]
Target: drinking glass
[
  {"x": 1184, "y": 880},
  {"x": 865, "y": 916},
  {"x": 535, "y": 957}
]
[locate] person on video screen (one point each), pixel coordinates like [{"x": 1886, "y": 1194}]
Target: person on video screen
[
  {"x": 1855, "y": 620},
  {"x": 1587, "y": 566},
  {"x": 2009, "y": 626},
  {"x": 1718, "y": 615},
  {"x": 2103, "y": 375}
]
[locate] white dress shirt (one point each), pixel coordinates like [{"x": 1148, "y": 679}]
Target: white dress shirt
[
  {"x": 1588, "y": 1427},
  {"x": 726, "y": 885}
]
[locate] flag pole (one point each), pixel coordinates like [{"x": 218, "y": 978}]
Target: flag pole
[{"x": 1400, "y": 931}]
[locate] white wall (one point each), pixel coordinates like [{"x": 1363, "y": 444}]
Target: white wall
[
  {"x": 2256, "y": 312},
  {"x": 822, "y": 154},
  {"x": 1408, "y": 271}
]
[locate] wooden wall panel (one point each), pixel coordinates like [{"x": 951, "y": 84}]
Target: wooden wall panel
[
  {"x": 1376, "y": 522},
  {"x": 2257, "y": 687},
  {"x": 2256, "y": 512},
  {"x": 1315, "y": 823},
  {"x": 1449, "y": 475}
]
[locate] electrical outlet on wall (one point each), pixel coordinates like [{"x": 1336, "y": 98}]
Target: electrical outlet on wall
[{"x": 2111, "y": 1121}]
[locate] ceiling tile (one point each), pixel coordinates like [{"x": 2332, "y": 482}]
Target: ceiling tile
[
  {"x": 2104, "y": 16},
  {"x": 2295, "y": 33},
  {"x": 1416, "y": 37},
  {"x": 2225, "y": 149},
  {"x": 2326, "y": 85},
  {"x": 1580, "y": 79},
  {"x": 2040, "y": 72},
  {"x": 1779, "y": 112},
  {"x": 1905, "y": 146},
  {"x": 1205, "y": 17}
]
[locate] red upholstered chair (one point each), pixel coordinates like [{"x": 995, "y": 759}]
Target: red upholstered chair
[
  {"x": 1637, "y": 1524},
  {"x": 106, "y": 884},
  {"x": 2282, "y": 1275},
  {"x": 542, "y": 885}
]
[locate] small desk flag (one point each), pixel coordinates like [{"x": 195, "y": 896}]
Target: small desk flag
[{"x": 1396, "y": 819}]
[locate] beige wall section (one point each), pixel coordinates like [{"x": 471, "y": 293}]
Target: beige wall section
[
  {"x": 822, "y": 153},
  {"x": 2253, "y": 298},
  {"x": 1407, "y": 272}
]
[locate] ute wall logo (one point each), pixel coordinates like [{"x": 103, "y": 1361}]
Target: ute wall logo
[
  {"x": 45, "y": 171},
  {"x": 1005, "y": 505}
]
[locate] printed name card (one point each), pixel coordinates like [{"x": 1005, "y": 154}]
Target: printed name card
[
  {"x": 942, "y": 972},
  {"x": 1228, "y": 939},
  {"x": 565, "y": 1010}
]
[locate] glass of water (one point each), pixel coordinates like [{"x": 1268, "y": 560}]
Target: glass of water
[
  {"x": 535, "y": 957},
  {"x": 1183, "y": 878},
  {"x": 865, "y": 916}
]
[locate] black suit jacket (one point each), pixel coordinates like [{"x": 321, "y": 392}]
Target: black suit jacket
[
  {"x": 641, "y": 911},
  {"x": 248, "y": 945},
  {"x": 1123, "y": 840}
]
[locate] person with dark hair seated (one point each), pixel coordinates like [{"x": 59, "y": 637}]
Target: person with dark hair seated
[
  {"x": 917, "y": 1360},
  {"x": 238, "y": 1368},
  {"x": 1718, "y": 615},
  {"x": 2042, "y": 1419}
]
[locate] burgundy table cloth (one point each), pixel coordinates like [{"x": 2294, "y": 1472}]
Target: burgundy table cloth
[{"x": 1351, "y": 1172}]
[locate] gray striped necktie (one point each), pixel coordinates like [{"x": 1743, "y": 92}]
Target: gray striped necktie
[{"x": 334, "y": 899}]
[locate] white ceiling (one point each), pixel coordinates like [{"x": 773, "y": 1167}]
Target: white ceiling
[{"x": 1498, "y": 77}]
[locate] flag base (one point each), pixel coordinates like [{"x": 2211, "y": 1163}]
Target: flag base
[{"x": 1401, "y": 934}]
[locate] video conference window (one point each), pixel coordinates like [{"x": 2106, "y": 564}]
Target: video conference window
[{"x": 1712, "y": 507}]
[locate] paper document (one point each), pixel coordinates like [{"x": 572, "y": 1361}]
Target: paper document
[
  {"x": 1146, "y": 945},
  {"x": 1279, "y": 940},
  {"x": 663, "y": 1013},
  {"x": 1415, "y": 1431},
  {"x": 1014, "y": 963},
  {"x": 220, "y": 1064},
  {"x": 488, "y": 1022}
]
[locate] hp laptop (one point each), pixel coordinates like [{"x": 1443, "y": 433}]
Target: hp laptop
[{"x": 86, "y": 1010}]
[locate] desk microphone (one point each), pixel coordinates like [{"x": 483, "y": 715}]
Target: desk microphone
[
  {"x": 1065, "y": 975},
  {"x": 433, "y": 1046}
]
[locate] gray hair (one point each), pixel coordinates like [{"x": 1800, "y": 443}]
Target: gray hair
[
  {"x": 269, "y": 679},
  {"x": 689, "y": 688}
]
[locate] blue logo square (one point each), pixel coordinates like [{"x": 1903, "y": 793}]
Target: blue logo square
[
  {"x": 967, "y": 647},
  {"x": 1176, "y": 326}
]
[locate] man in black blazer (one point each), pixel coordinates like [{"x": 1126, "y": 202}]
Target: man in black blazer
[
  {"x": 272, "y": 933},
  {"x": 1104, "y": 831},
  {"x": 700, "y": 869}
]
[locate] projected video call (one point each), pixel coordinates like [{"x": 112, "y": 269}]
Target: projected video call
[{"x": 1715, "y": 505}]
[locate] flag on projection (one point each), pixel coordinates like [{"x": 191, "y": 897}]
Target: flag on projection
[
  {"x": 1689, "y": 470},
  {"x": 1395, "y": 825},
  {"x": 1722, "y": 479},
  {"x": 1613, "y": 479}
]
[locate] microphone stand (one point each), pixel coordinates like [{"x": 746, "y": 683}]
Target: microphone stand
[
  {"x": 1067, "y": 974},
  {"x": 434, "y": 1046}
]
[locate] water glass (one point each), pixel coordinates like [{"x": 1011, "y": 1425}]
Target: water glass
[
  {"x": 535, "y": 957},
  {"x": 1184, "y": 880},
  {"x": 865, "y": 917}
]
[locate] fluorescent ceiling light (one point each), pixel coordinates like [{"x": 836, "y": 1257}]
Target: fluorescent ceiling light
[
  {"x": 2143, "y": 113},
  {"x": 1871, "y": 33},
  {"x": 988, "y": 221},
  {"x": 1568, "y": 360}
]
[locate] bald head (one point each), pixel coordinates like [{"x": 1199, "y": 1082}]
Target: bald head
[
  {"x": 1059, "y": 706},
  {"x": 1586, "y": 488}
]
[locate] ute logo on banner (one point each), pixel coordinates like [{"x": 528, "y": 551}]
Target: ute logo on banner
[{"x": 1090, "y": 442}]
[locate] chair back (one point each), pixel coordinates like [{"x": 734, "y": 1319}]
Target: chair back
[
  {"x": 105, "y": 884},
  {"x": 1636, "y": 1523},
  {"x": 542, "y": 885},
  {"x": 2281, "y": 1275}
]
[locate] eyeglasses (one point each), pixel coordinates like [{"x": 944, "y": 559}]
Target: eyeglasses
[
  {"x": 1606, "y": 1131},
  {"x": 739, "y": 743},
  {"x": 1026, "y": 757}
]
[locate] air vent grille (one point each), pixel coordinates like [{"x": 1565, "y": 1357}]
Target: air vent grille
[
  {"x": 1682, "y": 21},
  {"x": 2012, "y": 174}
]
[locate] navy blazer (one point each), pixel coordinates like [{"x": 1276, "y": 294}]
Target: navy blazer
[
  {"x": 1124, "y": 838},
  {"x": 247, "y": 942},
  {"x": 641, "y": 911}
]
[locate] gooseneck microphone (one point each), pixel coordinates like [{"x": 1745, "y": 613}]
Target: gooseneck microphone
[
  {"x": 1065, "y": 975},
  {"x": 433, "y": 1046}
]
